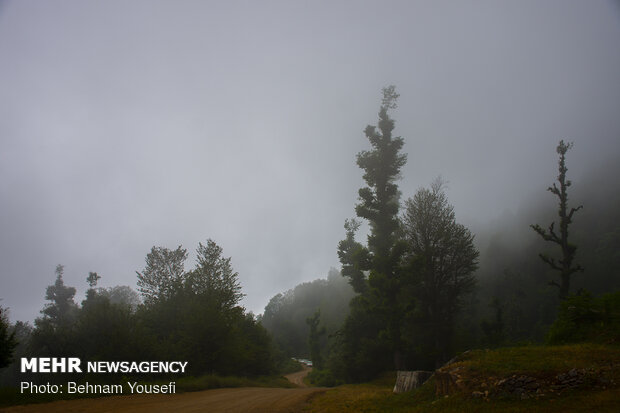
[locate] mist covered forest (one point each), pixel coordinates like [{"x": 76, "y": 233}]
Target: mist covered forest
[{"x": 420, "y": 288}]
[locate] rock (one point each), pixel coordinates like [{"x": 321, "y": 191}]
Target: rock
[{"x": 444, "y": 383}]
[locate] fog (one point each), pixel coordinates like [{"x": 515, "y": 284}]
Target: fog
[{"x": 125, "y": 125}]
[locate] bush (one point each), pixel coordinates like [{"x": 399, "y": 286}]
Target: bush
[
  {"x": 288, "y": 366},
  {"x": 323, "y": 378},
  {"x": 584, "y": 318}
]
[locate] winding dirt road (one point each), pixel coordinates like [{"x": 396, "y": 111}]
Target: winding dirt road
[
  {"x": 239, "y": 400},
  {"x": 298, "y": 377}
]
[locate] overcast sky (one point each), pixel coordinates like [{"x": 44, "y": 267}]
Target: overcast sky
[{"x": 128, "y": 124}]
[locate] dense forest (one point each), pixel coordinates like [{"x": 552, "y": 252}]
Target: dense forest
[{"x": 420, "y": 289}]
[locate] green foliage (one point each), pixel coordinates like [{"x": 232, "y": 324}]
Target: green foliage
[
  {"x": 494, "y": 330},
  {"x": 354, "y": 257},
  {"x": 105, "y": 330},
  {"x": 286, "y": 313},
  {"x": 379, "y": 204},
  {"x": 314, "y": 339},
  {"x": 122, "y": 295},
  {"x": 54, "y": 331},
  {"x": 441, "y": 260},
  {"x": 287, "y": 365},
  {"x": 11, "y": 373},
  {"x": 214, "y": 277},
  {"x": 584, "y": 318},
  {"x": 163, "y": 275},
  {"x": 8, "y": 341},
  {"x": 194, "y": 315},
  {"x": 359, "y": 354},
  {"x": 323, "y": 378},
  {"x": 186, "y": 316},
  {"x": 61, "y": 310}
]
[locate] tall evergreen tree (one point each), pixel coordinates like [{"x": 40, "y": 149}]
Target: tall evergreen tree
[
  {"x": 379, "y": 200},
  {"x": 354, "y": 257},
  {"x": 54, "y": 330},
  {"x": 61, "y": 310},
  {"x": 565, "y": 265},
  {"x": 379, "y": 204}
]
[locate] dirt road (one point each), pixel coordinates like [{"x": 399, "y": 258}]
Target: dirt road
[
  {"x": 298, "y": 378},
  {"x": 240, "y": 400}
]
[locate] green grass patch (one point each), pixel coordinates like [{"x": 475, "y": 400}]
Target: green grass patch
[
  {"x": 537, "y": 361},
  {"x": 540, "y": 360}
]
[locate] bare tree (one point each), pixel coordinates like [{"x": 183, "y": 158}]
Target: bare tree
[{"x": 565, "y": 265}]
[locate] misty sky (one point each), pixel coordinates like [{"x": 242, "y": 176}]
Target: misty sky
[{"x": 128, "y": 124}]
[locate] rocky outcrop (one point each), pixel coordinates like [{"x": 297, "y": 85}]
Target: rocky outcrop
[{"x": 455, "y": 378}]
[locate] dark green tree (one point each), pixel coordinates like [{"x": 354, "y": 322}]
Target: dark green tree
[
  {"x": 122, "y": 295},
  {"x": 163, "y": 275},
  {"x": 92, "y": 279},
  {"x": 442, "y": 259},
  {"x": 54, "y": 330},
  {"x": 214, "y": 277},
  {"x": 494, "y": 330},
  {"x": 354, "y": 258},
  {"x": 8, "y": 342},
  {"x": 379, "y": 200},
  {"x": 379, "y": 204},
  {"x": 565, "y": 265},
  {"x": 62, "y": 310},
  {"x": 314, "y": 339}
]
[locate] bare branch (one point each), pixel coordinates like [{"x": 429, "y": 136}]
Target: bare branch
[
  {"x": 550, "y": 261},
  {"x": 573, "y": 210}
]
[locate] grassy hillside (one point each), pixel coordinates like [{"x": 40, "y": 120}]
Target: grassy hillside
[{"x": 570, "y": 378}]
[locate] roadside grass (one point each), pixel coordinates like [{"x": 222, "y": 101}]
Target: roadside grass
[
  {"x": 370, "y": 398},
  {"x": 537, "y": 361}
]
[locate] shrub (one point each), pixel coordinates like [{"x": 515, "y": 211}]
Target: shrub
[
  {"x": 323, "y": 378},
  {"x": 583, "y": 317}
]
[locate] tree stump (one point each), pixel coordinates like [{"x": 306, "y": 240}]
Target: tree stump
[{"x": 409, "y": 380}]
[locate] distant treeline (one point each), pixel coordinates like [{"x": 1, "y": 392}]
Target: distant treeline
[{"x": 286, "y": 315}]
